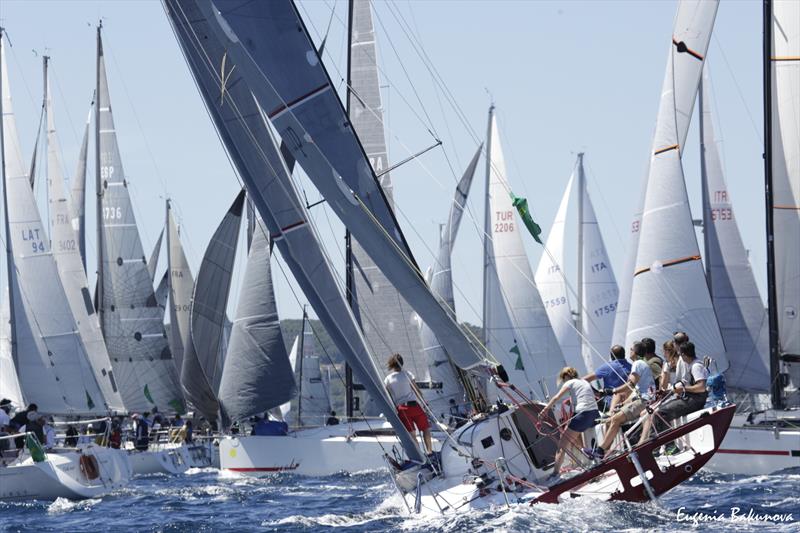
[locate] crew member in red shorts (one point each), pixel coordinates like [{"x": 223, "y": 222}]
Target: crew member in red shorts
[{"x": 405, "y": 394}]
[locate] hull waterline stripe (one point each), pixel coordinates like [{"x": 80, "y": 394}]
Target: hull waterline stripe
[
  {"x": 264, "y": 469},
  {"x": 785, "y": 453},
  {"x": 669, "y": 263}
]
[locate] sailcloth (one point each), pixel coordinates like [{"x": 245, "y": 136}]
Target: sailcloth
[
  {"x": 131, "y": 319},
  {"x": 516, "y": 327},
  {"x": 257, "y": 375},
  {"x": 9, "y": 383},
  {"x": 553, "y": 288},
  {"x": 181, "y": 285},
  {"x": 77, "y": 202},
  {"x": 243, "y": 127},
  {"x": 740, "y": 310},
  {"x": 785, "y": 133},
  {"x": 691, "y": 34},
  {"x": 670, "y": 292},
  {"x": 202, "y": 369},
  {"x": 66, "y": 252},
  {"x": 442, "y": 374},
  {"x": 152, "y": 263},
  {"x": 311, "y": 406},
  {"x": 51, "y": 360},
  {"x": 292, "y": 86}
]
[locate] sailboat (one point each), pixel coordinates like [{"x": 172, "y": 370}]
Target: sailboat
[
  {"x": 54, "y": 364},
  {"x": 312, "y": 405},
  {"x": 584, "y": 335},
  {"x": 761, "y": 441}
]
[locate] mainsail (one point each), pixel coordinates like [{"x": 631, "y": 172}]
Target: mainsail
[
  {"x": 387, "y": 320},
  {"x": 442, "y": 373},
  {"x": 690, "y": 37},
  {"x": 272, "y": 51},
  {"x": 131, "y": 319},
  {"x": 77, "y": 202},
  {"x": 181, "y": 285},
  {"x": 202, "y": 369},
  {"x": 670, "y": 292},
  {"x": 50, "y": 357},
  {"x": 740, "y": 310},
  {"x": 244, "y": 130},
  {"x": 516, "y": 327},
  {"x": 9, "y": 384},
  {"x": 552, "y": 284},
  {"x": 257, "y": 374},
  {"x": 66, "y": 252}
]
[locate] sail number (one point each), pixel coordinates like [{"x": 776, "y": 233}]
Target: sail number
[
  {"x": 605, "y": 310},
  {"x": 106, "y": 172},
  {"x": 503, "y": 221},
  {"x": 66, "y": 246},
  {"x": 553, "y": 302},
  {"x": 635, "y": 226},
  {"x": 721, "y": 213},
  {"x": 112, "y": 213},
  {"x": 33, "y": 236}
]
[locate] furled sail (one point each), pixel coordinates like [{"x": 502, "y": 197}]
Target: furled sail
[
  {"x": 670, "y": 292},
  {"x": 257, "y": 375},
  {"x": 202, "y": 368},
  {"x": 274, "y": 53},
  {"x": 552, "y": 284},
  {"x": 152, "y": 263},
  {"x": 66, "y": 252},
  {"x": 740, "y": 310},
  {"x": 389, "y": 323},
  {"x": 515, "y": 322},
  {"x": 244, "y": 130},
  {"x": 311, "y": 406},
  {"x": 77, "y": 202},
  {"x": 51, "y": 360},
  {"x": 181, "y": 285},
  {"x": 131, "y": 319},
  {"x": 785, "y": 55},
  {"x": 441, "y": 374},
  {"x": 690, "y": 37}
]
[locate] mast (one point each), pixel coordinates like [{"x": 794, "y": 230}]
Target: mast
[
  {"x": 776, "y": 390},
  {"x": 579, "y": 317},
  {"x": 704, "y": 188},
  {"x": 98, "y": 184},
  {"x": 9, "y": 252},
  {"x": 487, "y": 220},
  {"x": 300, "y": 360},
  {"x": 348, "y": 242}
]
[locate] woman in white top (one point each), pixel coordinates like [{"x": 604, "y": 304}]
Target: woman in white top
[{"x": 585, "y": 412}]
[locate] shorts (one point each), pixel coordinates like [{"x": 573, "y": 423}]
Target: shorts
[
  {"x": 632, "y": 410},
  {"x": 584, "y": 420},
  {"x": 413, "y": 415}
]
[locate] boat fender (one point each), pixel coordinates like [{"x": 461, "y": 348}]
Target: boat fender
[{"x": 89, "y": 467}]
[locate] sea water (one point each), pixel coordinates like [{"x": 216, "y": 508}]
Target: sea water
[{"x": 210, "y": 500}]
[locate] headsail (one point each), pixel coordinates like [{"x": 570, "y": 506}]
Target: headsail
[
  {"x": 181, "y": 285},
  {"x": 312, "y": 405},
  {"x": 442, "y": 374},
  {"x": 66, "y": 252},
  {"x": 77, "y": 202},
  {"x": 687, "y": 49},
  {"x": 740, "y": 310},
  {"x": 669, "y": 290},
  {"x": 515, "y": 323},
  {"x": 9, "y": 383},
  {"x": 256, "y": 375},
  {"x": 131, "y": 319},
  {"x": 152, "y": 263},
  {"x": 242, "y": 126}
]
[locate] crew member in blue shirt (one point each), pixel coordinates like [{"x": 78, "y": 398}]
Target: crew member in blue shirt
[{"x": 613, "y": 373}]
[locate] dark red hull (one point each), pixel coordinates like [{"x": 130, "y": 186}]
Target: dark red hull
[{"x": 662, "y": 481}]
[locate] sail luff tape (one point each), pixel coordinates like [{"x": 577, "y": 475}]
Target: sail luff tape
[{"x": 669, "y": 263}]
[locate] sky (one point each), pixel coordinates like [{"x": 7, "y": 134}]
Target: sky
[{"x": 566, "y": 77}]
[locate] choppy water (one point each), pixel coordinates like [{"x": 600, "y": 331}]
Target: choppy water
[{"x": 207, "y": 500}]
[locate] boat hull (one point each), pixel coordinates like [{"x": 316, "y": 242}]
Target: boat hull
[{"x": 168, "y": 461}]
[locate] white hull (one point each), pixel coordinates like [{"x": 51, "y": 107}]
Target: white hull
[
  {"x": 756, "y": 449},
  {"x": 311, "y": 452},
  {"x": 61, "y": 476},
  {"x": 165, "y": 461}
]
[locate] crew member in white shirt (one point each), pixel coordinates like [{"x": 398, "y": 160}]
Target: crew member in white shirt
[{"x": 405, "y": 395}]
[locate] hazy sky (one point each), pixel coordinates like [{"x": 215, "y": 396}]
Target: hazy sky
[{"x": 565, "y": 76}]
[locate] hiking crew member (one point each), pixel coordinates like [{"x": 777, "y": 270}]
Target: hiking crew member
[
  {"x": 668, "y": 374},
  {"x": 585, "y": 414},
  {"x": 690, "y": 391},
  {"x": 642, "y": 378},
  {"x": 613, "y": 373},
  {"x": 653, "y": 361},
  {"x": 404, "y": 394}
]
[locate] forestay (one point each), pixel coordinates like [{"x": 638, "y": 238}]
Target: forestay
[
  {"x": 52, "y": 365},
  {"x": 257, "y": 375},
  {"x": 441, "y": 373},
  {"x": 740, "y": 310},
  {"x": 66, "y": 252},
  {"x": 243, "y": 129},
  {"x": 131, "y": 319},
  {"x": 274, "y": 53},
  {"x": 515, "y": 323},
  {"x": 687, "y": 50}
]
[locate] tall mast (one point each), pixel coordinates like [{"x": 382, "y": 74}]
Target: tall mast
[
  {"x": 300, "y": 361},
  {"x": 9, "y": 252},
  {"x": 98, "y": 183},
  {"x": 704, "y": 188},
  {"x": 348, "y": 242},
  {"x": 772, "y": 297},
  {"x": 581, "y": 186},
  {"x": 487, "y": 218},
  {"x": 44, "y": 124}
]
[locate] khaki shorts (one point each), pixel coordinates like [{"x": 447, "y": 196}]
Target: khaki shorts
[{"x": 633, "y": 409}]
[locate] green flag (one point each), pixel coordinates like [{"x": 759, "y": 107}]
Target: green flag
[
  {"x": 89, "y": 401},
  {"x": 518, "y": 365},
  {"x": 177, "y": 406},
  {"x": 522, "y": 207},
  {"x": 147, "y": 394}
]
